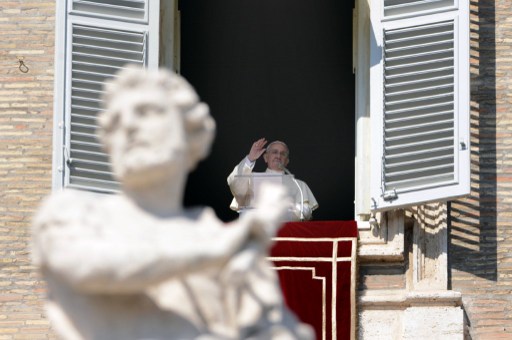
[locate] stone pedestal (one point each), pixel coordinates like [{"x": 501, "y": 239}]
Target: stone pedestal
[
  {"x": 402, "y": 315},
  {"x": 403, "y": 289}
]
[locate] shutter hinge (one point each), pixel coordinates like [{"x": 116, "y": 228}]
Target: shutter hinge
[
  {"x": 67, "y": 156},
  {"x": 374, "y": 204},
  {"x": 389, "y": 195}
]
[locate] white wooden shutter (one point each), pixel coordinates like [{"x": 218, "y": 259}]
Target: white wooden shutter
[
  {"x": 419, "y": 102},
  {"x": 102, "y": 37}
]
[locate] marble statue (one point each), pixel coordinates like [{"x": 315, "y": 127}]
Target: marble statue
[{"x": 138, "y": 265}]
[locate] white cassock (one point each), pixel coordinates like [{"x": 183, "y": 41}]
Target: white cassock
[{"x": 242, "y": 190}]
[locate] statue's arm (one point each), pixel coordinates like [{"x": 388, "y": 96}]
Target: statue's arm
[
  {"x": 268, "y": 216},
  {"x": 80, "y": 246},
  {"x": 263, "y": 222}
]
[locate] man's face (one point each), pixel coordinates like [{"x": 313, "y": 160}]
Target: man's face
[
  {"x": 147, "y": 139},
  {"x": 276, "y": 157}
]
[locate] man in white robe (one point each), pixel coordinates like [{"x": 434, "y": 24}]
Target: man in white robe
[{"x": 276, "y": 156}]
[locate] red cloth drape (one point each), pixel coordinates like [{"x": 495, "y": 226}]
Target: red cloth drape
[{"x": 314, "y": 262}]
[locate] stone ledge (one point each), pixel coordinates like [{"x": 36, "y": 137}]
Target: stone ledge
[
  {"x": 379, "y": 253},
  {"x": 389, "y": 299}
]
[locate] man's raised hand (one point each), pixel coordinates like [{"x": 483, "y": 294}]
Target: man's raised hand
[{"x": 257, "y": 149}]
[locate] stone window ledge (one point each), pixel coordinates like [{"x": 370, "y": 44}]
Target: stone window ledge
[{"x": 404, "y": 299}]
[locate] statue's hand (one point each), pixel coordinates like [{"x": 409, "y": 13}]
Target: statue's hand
[
  {"x": 272, "y": 207},
  {"x": 235, "y": 271}
]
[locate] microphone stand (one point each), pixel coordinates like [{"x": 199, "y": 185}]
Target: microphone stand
[{"x": 300, "y": 191}]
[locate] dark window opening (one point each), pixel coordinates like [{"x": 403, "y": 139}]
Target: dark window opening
[{"x": 275, "y": 69}]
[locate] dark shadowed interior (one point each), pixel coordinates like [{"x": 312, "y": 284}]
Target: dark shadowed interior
[{"x": 280, "y": 69}]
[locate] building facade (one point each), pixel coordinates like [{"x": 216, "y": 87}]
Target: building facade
[{"x": 439, "y": 268}]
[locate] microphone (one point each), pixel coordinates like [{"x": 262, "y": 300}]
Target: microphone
[{"x": 286, "y": 171}]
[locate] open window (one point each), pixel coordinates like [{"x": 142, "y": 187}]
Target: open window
[
  {"x": 418, "y": 103},
  {"x": 412, "y": 92}
]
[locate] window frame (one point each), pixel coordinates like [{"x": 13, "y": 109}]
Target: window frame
[{"x": 364, "y": 42}]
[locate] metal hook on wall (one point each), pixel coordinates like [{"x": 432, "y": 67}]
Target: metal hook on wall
[{"x": 22, "y": 67}]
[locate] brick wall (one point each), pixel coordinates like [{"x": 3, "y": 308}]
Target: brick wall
[
  {"x": 481, "y": 227},
  {"x": 26, "y": 110}
]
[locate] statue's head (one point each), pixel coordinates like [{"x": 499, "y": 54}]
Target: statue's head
[{"x": 154, "y": 125}]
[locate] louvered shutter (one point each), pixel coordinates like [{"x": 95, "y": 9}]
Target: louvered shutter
[
  {"x": 102, "y": 38},
  {"x": 134, "y": 10},
  {"x": 419, "y": 102}
]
